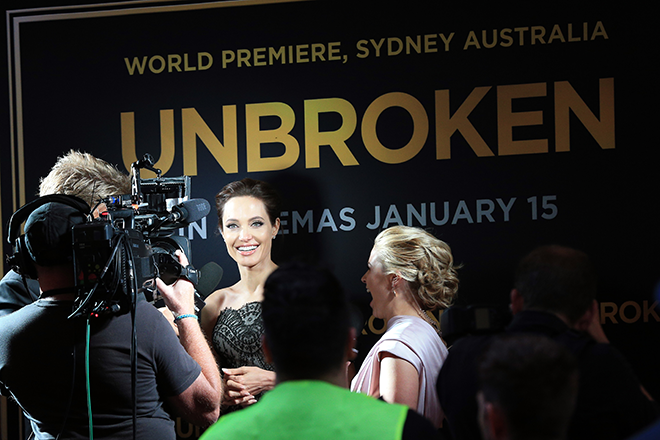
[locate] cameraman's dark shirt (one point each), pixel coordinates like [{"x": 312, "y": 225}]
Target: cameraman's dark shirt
[
  {"x": 39, "y": 347},
  {"x": 610, "y": 402},
  {"x": 13, "y": 294}
]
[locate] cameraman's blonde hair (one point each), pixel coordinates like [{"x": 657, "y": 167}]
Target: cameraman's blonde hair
[
  {"x": 83, "y": 175},
  {"x": 421, "y": 259}
]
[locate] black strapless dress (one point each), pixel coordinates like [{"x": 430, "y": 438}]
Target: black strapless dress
[{"x": 237, "y": 340}]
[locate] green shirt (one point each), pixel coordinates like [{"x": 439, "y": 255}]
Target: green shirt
[{"x": 312, "y": 410}]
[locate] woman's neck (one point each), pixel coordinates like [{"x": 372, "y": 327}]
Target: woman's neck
[
  {"x": 405, "y": 304},
  {"x": 253, "y": 278},
  {"x": 400, "y": 308}
]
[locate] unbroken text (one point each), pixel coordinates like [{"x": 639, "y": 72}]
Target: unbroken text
[{"x": 565, "y": 104}]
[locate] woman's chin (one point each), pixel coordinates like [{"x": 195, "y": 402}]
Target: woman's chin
[{"x": 250, "y": 261}]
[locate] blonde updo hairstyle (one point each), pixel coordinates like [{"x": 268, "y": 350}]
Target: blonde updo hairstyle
[{"x": 424, "y": 261}]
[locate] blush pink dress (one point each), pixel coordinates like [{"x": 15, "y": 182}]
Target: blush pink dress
[{"x": 416, "y": 341}]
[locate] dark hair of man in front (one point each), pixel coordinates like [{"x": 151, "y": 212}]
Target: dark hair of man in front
[
  {"x": 306, "y": 320},
  {"x": 534, "y": 380}
]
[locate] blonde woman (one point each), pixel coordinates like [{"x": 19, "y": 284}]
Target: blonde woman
[{"x": 409, "y": 272}]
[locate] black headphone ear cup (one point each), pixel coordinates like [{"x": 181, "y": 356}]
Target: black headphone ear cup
[{"x": 21, "y": 260}]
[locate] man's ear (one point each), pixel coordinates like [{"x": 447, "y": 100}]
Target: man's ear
[
  {"x": 267, "y": 353},
  {"x": 517, "y": 302},
  {"x": 584, "y": 322},
  {"x": 496, "y": 421},
  {"x": 351, "y": 341},
  {"x": 492, "y": 421}
]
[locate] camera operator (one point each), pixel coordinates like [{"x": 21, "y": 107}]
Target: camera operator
[
  {"x": 74, "y": 173},
  {"x": 43, "y": 357}
]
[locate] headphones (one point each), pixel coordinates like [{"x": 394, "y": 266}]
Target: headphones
[{"x": 20, "y": 259}]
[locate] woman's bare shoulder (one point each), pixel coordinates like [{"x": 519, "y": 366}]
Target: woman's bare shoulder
[
  {"x": 214, "y": 303},
  {"x": 216, "y": 300}
]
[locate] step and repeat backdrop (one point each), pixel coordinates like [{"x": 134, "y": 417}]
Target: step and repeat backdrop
[{"x": 498, "y": 129}]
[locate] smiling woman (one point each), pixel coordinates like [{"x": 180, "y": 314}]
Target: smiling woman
[
  {"x": 408, "y": 273},
  {"x": 248, "y": 221}
]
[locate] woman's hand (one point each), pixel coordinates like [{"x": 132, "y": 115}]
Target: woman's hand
[
  {"x": 243, "y": 383},
  {"x": 236, "y": 394}
]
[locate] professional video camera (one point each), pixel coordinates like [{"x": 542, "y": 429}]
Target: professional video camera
[{"x": 118, "y": 255}]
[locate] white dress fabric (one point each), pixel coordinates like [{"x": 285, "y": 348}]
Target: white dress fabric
[{"x": 416, "y": 341}]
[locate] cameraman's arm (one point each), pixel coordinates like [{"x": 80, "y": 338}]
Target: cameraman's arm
[{"x": 199, "y": 403}]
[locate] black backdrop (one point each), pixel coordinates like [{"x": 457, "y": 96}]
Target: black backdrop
[{"x": 497, "y": 128}]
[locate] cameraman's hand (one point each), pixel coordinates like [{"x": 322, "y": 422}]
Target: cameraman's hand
[
  {"x": 200, "y": 402},
  {"x": 179, "y": 297}
]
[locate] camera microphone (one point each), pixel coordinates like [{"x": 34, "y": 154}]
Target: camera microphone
[
  {"x": 190, "y": 211},
  {"x": 209, "y": 276}
]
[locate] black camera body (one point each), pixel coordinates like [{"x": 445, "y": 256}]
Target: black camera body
[{"x": 118, "y": 255}]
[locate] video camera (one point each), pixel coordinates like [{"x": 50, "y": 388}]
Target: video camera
[{"x": 118, "y": 255}]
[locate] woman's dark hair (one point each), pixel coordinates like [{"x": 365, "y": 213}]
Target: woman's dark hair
[{"x": 249, "y": 188}]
